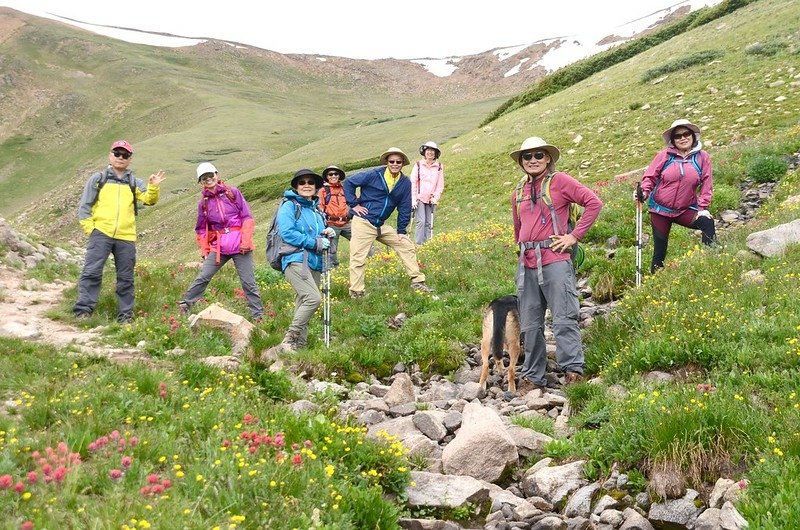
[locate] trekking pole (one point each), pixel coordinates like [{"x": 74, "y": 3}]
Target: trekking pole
[
  {"x": 639, "y": 201},
  {"x": 326, "y": 297}
]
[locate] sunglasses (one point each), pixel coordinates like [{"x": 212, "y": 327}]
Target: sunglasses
[
  {"x": 678, "y": 136},
  {"x": 333, "y": 175},
  {"x": 121, "y": 154},
  {"x": 306, "y": 182},
  {"x": 538, "y": 155},
  {"x": 394, "y": 161},
  {"x": 207, "y": 176}
]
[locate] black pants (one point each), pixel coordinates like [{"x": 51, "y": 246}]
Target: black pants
[{"x": 662, "y": 226}]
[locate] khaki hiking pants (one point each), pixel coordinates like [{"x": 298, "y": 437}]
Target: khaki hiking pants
[{"x": 364, "y": 234}]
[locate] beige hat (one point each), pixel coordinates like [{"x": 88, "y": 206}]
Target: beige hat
[
  {"x": 394, "y": 151},
  {"x": 430, "y": 145},
  {"x": 534, "y": 142},
  {"x": 336, "y": 169},
  {"x": 667, "y": 136}
]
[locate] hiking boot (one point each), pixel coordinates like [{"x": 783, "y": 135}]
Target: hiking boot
[
  {"x": 184, "y": 307},
  {"x": 356, "y": 294},
  {"x": 526, "y": 385},
  {"x": 125, "y": 319},
  {"x": 573, "y": 377},
  {"x": 258, "y": 320},
  {"x": 83, "y": 316},
  {"x": 421, "y": 287},
  {"x": 291, "y": 342}
]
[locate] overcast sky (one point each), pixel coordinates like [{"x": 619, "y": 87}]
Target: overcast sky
[{"x": 361, "y": 29}]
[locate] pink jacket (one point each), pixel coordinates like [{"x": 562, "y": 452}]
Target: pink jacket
[
  {"x": 533, "y": 222},
  {"x": 681, "y": 185},
  {"x": 427, "y": 182}
]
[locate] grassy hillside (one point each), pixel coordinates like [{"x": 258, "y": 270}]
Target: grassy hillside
[
  {"x": 730, "y": 410},
  {"x": 250, "y": 111}
]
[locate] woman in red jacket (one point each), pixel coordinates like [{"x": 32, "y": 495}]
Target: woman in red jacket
[
  {"x": 678, "y": 187},
  {"x": 334, "y": 206}
]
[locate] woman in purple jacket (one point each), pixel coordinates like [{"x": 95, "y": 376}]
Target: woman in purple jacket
[
  {"x": 224, "y": 232},
  {"x": 678, "y": 187}
]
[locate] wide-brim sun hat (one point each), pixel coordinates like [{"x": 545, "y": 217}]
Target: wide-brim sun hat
[
  {"x": 534, "y": 142},
  {"x": 306, "y": 173},
  {"x": 430, "y": 145},
  {"x": 394, "y": 151},
  {"x": 667, "y": 136},
  {"x": 205, "y": 167},
  {"x": 337, "y": 169}
]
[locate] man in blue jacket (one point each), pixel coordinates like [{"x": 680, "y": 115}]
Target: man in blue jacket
[{"x": 382, "y": 189}]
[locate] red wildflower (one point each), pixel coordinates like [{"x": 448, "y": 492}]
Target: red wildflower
[
  {"x": 6, "y": 481},
  {"x": 297, "y": 459},
  {"x": 158, "y": 489},
  {"x": 166, "y": 483},
  {"x": 115, "y": 474},
  {"x": 47, "y": 469},
  {"x": 127, "y": 461},
  {"x": 32, "y": 477},
  {"x": 144, "y": 490},
  {"x": 152, "y": 479},
  {"x": 249, "y": 419},
  {"x": 19, "y": 487},
  {"x": 27, "y": 525}
]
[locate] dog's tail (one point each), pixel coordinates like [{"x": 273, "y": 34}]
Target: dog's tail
[{"x": 501, "y": 308}]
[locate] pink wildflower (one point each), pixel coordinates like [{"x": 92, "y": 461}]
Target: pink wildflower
[
  {"x": 127, "y": 461},
  {"x": 92, "y": 447},
  {"x": 134, "y": 441},
  {"x": 32, "y": 477},
  {"x": 60, "y": 473},
  {"x": 158, "y": 489},
  {"x": 35, "y": 455},
  {"x": 6, "y": 481},
  {"x": 152, "y": 479},
  {"x": 166, "y": 483},
  {"x": 62, "y": 448},
  {"x": 144, "y": 490},
  {"x": 308, "y": 444},
  {"x": 115, "y": 474},
  {"x": 19, "y": 487},
  {"x": 297, "y": 459},
  {"x": 27, "y": 525},
  {"x": 47, "y": 469},
  {"x": 115, "y": 435}
]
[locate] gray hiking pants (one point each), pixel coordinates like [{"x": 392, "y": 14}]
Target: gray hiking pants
[
  {"x": 247, "y": 277},
  {"x": 560, "y": 294},
  {"x": 423, "y": 222},
  {"x": 97, "y": 251},
  {"x": 307, "y": 298},
  {"x": 339, "y": 231}
]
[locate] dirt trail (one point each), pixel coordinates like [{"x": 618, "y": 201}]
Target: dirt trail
[{"x": 23, "y": 307}]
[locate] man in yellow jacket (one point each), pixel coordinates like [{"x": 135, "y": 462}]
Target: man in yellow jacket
[{"x": 107, "y": 213}]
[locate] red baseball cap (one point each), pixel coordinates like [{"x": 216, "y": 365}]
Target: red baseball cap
[{"x": 122, "y": 144}]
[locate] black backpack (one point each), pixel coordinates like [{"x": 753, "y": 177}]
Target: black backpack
[{"x": 276, "y": 247}]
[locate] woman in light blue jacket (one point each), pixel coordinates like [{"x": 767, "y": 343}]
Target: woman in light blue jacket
[{"x": 308, "y": 233}]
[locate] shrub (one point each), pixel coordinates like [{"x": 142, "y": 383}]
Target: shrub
[
  {"x": 682, "y": 63},
  {"x": 767, "y": 168},
  {"x": 767, "y": 49}
]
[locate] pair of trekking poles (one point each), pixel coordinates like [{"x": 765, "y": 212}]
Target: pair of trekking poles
[{"x": 326, "y": 297}]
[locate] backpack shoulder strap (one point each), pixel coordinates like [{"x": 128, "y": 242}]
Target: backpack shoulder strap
[{"x": 548, "y": 200}]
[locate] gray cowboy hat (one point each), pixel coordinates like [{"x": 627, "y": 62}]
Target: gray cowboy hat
[
  {"x": 307, "y": 173},
  {"x": 394, "y": 151},
  {"x": 667, "y": 135},
  {"x": 536, "y": 143},
  {"x": 332, "y": 168}
]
